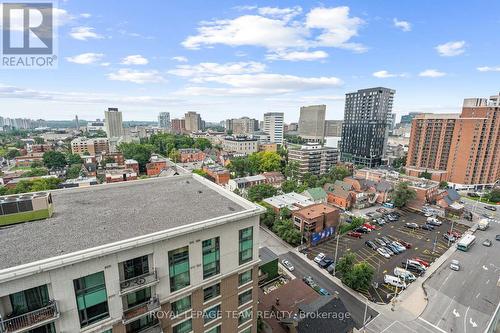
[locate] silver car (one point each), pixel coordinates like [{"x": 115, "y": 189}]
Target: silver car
[
  {"x": 455, "y": 265},
  {"x": 287, "y": 265}
]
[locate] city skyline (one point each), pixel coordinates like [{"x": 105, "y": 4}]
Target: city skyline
[{"x": 316, "y": 54}]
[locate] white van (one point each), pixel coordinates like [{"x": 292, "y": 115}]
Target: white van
[
  {"x": 394, "y": 281},
  {"x": 404, "y": 274},
  {"x": 414, "y": 262}
]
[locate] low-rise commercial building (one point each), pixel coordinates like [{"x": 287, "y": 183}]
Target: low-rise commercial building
[
  {"x": 177, "y": 254},
  {"x": 293, "y": 201},
  {"x": 28, "y": 159},
  {"x": 156, "y": 165},
  {"x": 315, "y": 218}
]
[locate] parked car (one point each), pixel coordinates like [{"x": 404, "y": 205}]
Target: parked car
[
  {"x": 455, "y": 234},
  {"x": 400, "y": 247},
  {"x": 487, "y": 243},
  {"x": 415, "y": 262},
  {"x": 287, "y": 265},
  {"x": 324, "y": 292},
  {"x": 354, "y": 234},
  {"x": 362, "y": 230},
  {"x": 497, "y": 237},
  {"x": 325, "y": 262},
  {"x": 319, "y": 257},
  {"x": 413, "y": 268},
  {"x": 388, "y": 250},
  {"x": 394, "y": 281},
  {"x": 434, "y": 221},
  {"x": 383, "y": 252},
  {"x": 404, "y": 274},
  {"x": 411, "y": 225},
  {"x": 379, "y": 241},
  {"x": 385, "y": 239},
  {"x": 449, "y": 237},
  {"x": 493, "y": 209},
  {"x": 422, "y": 262},
  {"x": 455, "y": 265},
  {"x": 369, "y": 226},
  {"x": 371, "y": 244},
  {"x": 308, "y": 280},
  {"x": 427, "y": 227},
  {"x": 393, "y": 248},
  {"x": 405, "y": 244},
  {"x": 330, "y": 268}
]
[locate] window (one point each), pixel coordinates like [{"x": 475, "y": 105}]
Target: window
[
  {"x": 211, "y": 292},
  {"x": 211, "y": 314},
  {"x": 138, "y": 297},
  {"x": 245, "y": 316},
  {"x": 49, "y": 328},
  {"x": 211, "y": 257},
  {"x": 216, "y": 329},
  {"x": 244, "y": 277},
  {"x": 135, "y": 267},
  {"x": 244, "y": 297},
  {"x": 141, "y": 324},
  {"x": 184, "y": 327},
  {"x": 246, "y": 245},
  {"x": 29, "y": 300},
  {"x": 91, "y": 298},
  {"x": 247, "y": 330},
  {"x": 178, "y": 263},
  {"x": 181, "y": 305}
]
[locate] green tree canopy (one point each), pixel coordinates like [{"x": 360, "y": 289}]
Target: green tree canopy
[
  {"x": 443, "y": 184},
  {"x": 35, "y": 172},
  {"x": 286, "y": 230},
  {"x": 403, "y": 194},
  {"x": 344, "y": 264},
  {"x": 426, "y": 175},
  {"x": 54, "y": 160},
  {"x": 141, "y": 152},
  {"x": 259, "y": 192},
  {"x": 73, "y": 171},
  {"x": 202, "y": 143},
  {"x": 73, "y": 159},
  {"x": 359, "y": 277}
]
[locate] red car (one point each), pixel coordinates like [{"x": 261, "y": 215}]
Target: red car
[
  {"x": 456, "y": 234},
  {"x": 369, "y": 226},
  {"x": 354, "y": 234},
  {"x": 423, "y": 262},
  {"x": 405, "y": 244}
]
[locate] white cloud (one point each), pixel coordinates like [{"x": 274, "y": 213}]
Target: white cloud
[
  {"x": 431, "y": 73},
  {"x": 84, "y": 33},
  {"x": 105, "y": 64},
  {"x": 83, "y": 97},
  {"x": 180, "y": 59},
  {"x": 135, "y": 76},
  {"x": 489, "y": 69},
  {"x": 403, "y": 25},
  {"x": 451, "y": 49},
  {"x": 276, "y": 29},
  {"x": 135, "y": 59},
  {"x": 85, "y": 58},
  {"x": 383, "y": 74},
  {"x": 211, "y": 68},
  {"x": 297, "y": 55},
  {"x": 86, "y": 15}
]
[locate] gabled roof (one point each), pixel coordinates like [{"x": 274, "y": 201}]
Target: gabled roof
[
  {"x": 316, "y": 193},
  {"x": 339, "y": 188}
]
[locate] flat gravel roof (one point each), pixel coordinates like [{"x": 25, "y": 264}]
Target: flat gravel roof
[{"x": 97, "y": 215}]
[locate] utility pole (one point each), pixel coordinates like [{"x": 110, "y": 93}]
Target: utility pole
[
  {"x": 364, "y": 316},
  {"x": 434, "y": 245},
  {"x": 336, "y": 251}
]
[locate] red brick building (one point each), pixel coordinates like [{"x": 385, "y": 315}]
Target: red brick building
[
  {"x": 120, "y": 175},
  {"x": 315, "y": 218},
  {"x": 156, "y": 165},
  {"x": 132, "y": 164},
  {"x": 217, "y": 174},
  {"x": 191, "y": 155},
  {"x": 28, "y": 159}
]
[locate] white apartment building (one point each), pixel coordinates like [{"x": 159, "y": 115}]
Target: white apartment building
[
  {"x": 175, "y": 254},
  {"x": 240, "y": 144},
  {"x": 273, "y": 125}
]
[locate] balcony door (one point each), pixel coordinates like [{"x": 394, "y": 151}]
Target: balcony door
[
  {"x": 135, "y": 267},
  {"x": 29, "y": 300}
]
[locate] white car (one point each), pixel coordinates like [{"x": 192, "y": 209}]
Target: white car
[
  {"x": 287, "y": 265},
  {"x": 394, "y": 281},
  {"x": 383, "y": 253},
  {"x": 319, "y": 257},
  {"x": 455, "y": 265}
]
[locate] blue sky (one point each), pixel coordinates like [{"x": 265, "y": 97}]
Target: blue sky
[{"x": 234, "y": 58}]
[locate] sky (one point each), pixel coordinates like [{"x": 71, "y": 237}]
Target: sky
[{"x": 228, "y": 59}]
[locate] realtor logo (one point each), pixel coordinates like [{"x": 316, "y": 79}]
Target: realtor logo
[{"x": 27, "y": 34}]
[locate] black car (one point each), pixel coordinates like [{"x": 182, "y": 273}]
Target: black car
[
  {"x": 427, "y": 227},
  {"x": 497, "y": 237},
  {"x": 362, "y": 230},
  {"x": 413, "y": 268},
  {"x": 493, "y": 209},
  {"x": 393, "y": 248},
  {"x": 327, "y": 261},
  {"x": 386, "y": 240},
  {"x": 371, "y": 244}
]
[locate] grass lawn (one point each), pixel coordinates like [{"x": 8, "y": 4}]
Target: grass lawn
[{"x": 483, "y": 200}]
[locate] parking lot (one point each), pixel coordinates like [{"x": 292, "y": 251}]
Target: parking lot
[{"x": 426, "y": 245}]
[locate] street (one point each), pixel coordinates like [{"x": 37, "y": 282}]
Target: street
[{"x": 478, "y": 208}]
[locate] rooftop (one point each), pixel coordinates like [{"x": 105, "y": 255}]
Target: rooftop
[
  {"x": 289, "y": 200},
  {"x": 89, "y": 217},
  {"x": 315, "y": 211}
]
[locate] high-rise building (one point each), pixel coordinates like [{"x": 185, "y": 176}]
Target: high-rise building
[
  {"x": 313, "y": 158},
  {"x": 178, "y": 125},
  {"x": 391, "y": 121},
  {"x": 273, "y": 126},
  {"x": 113, "y": 123},
  {"x": 242, "y": 125},
  {"x": 365, "y": 132},
  {"x": 333, "y": 128},
  {"x": 164, "y": 120},
  {"x": 463, "y": 149},
  {"x": 193, "y": 248},
  {"x": 407, "y": 118},
  {"x": 193, "y": 122},
  {"x": 77, "y": 123},
  {"x": 312, "y": 123}
]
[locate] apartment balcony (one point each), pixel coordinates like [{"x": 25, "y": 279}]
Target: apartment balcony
[
  {"x": 140, "y": 310},
  {"x": 138, "y": 282},
  {"x": 30, "y": 320},
  {"x": 153, "y": 329}
]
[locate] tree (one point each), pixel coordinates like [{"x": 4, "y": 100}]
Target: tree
[
  {"x": 174, "y": 155},
  {"x": 494, "y": 195},
  {"x": 36, "y": 164},
  {"x": 285, "y": 213},
  {"x": 344, "y": 264},
  {"x": 339, "y": 173},
  {"x": 35, "y": 172},
  {"x": 200, "y": 172},
  {"x": 399, "y": 162},
  {"x": 260, "y": 192},
  {"x": 359, "y": 277},
  {"x": 286, "y": 230},
  {"x": 73, "y": 171},
  {"x": 141, "y": 152},
  {"x": 291, "y": 170},
  {"x": 289, "y": 186},
  {"x": 403, "y": 194},
  {"x": 11, "y": 153},
  {"x": 268, "y": 217},
  {"x": 73, "y": 159},
  {"x": 54, "y": 160},
  {"x": 425, "y": 174},
  {"x": 39, "y": 140},
  {"x": 202, "y": 143},
  {"x": 443, "y": 184},
  {"x": 269, "y": 161}
]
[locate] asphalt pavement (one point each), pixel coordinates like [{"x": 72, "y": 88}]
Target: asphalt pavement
[
  {"x": 478, "y": 208},
  {"x": 303, "y": 268}
]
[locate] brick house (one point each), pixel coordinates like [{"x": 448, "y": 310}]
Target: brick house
[
  {"x": 315, "y": 218},
  {"x": 156, "y": 165},
  {"x": 120, "y": 175},
  {"x": 132, "y": 164},
  {"x": 339, "y": 194},
  {"x": 191, "y": 155},
  {"x": 217, "y": 174}
]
